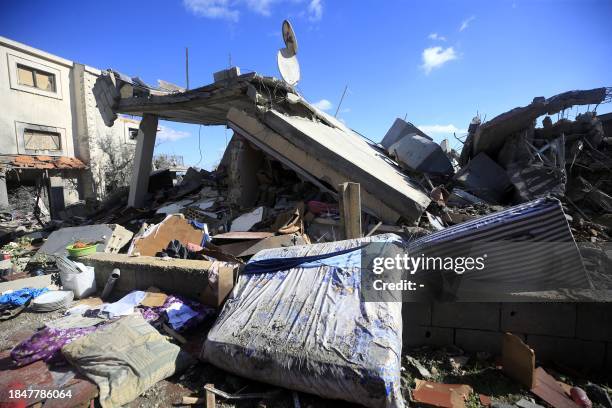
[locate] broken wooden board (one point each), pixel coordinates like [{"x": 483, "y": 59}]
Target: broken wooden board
[
  {"x": 243, "y": 235},
  {"x": 548, "y": 389},
  {"x": 518, "y": 360},
  {"x": 156, "y": 238}
]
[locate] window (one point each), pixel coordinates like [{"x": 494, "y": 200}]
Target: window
[
  {"x": 133, "y": 133},
  {"x": 41, "y": 140},
  {"x": 35, "y": 78}
]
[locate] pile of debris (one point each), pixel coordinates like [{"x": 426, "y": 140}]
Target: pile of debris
[{"x": 259, "y": 260}]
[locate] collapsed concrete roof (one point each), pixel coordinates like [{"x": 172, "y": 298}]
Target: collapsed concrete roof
[
  {"x": 491, "y": 135},
  {"x": 273, "y": 116}
]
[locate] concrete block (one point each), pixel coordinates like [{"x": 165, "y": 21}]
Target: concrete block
[
  {"x": 225, "y": 74},
  {"x": 416, "y": 314},
  {"x": 479, "y": 340},
  {"x": 414, "y": 336},
  {"x": 483, "y": 316},
  {"x": 37, "y": 282},
  {"x": 594, "y": 321},
  {"x": 555, "y": 319},
  {"x": 192, "y": 278},
  {"x": 572, "y": 352}
]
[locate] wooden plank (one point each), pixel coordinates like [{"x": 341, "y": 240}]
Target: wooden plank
[
  {"x": 243, "y": 235},
  {"x": 210, "y": 398},
  {"x": 547, "y": 388},
  {"x": 350, "y": 209},
  {"x": 518, "y": 360}
]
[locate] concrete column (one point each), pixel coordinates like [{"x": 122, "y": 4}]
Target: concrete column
[
  {"x": 143, "y": 158},
  {"x": 4, "y": 202}
]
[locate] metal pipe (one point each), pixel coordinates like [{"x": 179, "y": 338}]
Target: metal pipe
[{"x": 110, "y": 283}]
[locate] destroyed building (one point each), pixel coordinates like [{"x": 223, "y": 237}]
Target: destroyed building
[{"x": 256, "y": 268}]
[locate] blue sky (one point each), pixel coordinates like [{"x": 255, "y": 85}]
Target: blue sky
[{"x": 437, "y": 62}]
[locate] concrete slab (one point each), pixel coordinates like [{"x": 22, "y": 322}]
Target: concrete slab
[
  {"x": 113, "y": 238},
  {"x": 36, "y": 282},
  {"x": 353, "y": 156},
  {"x": 210, "y": 282}
]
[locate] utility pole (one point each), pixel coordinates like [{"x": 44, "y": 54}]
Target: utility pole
[{"x": 187, "y": 67}]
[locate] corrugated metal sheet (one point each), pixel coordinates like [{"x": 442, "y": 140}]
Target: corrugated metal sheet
[{"x": 529, "y": 247}]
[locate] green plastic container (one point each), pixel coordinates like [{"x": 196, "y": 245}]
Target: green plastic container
[{"x": 76, "y": 252}]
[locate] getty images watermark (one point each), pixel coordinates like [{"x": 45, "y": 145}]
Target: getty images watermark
[
  {"x": 472, "y": 272},
  {"x": 407, "y": 264}
]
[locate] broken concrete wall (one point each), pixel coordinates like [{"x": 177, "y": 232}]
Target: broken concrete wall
[
  {"x": 210, "y": 282},
  {"x": 326, "y": 171},
  {"x": 242, "y": 163},
  {"x": 356, "y": 161},
  {"x": 490, "y": 136}
]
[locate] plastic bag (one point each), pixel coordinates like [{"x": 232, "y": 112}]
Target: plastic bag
[{"x": 78, "y": 278}]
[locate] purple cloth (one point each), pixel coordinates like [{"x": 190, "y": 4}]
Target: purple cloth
[
  {"x": 46, "y": 344},
  {"x": 154, "y": 314}
]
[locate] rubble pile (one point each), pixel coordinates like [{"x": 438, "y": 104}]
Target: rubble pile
[{"x": 258, "y": 261}]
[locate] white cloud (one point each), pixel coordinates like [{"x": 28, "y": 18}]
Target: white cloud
[
  {"x": 167, "y": 134},
  {"x": 323, "y": 104},
  {"x": 441, "y": 130},
  {"x": 435, "y": 57},
  {"x": 229, "y": 9},
  {"x": 436, "y": 36},
  {"x": 221, "y": 9},
  {"x": 315, "y": 10},
  {"x": 466, "y": 23},
  {"x": 260, "y": 6}
]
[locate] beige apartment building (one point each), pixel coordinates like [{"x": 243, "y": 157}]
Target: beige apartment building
[{"x": 51, "y": 133}]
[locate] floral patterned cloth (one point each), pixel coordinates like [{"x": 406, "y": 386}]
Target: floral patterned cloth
[{"x": 46, "y": 344}]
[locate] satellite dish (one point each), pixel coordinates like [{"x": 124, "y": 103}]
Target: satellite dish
[
  {"x": 289, "y": 37},
  {"x": 286, "y": 59},
  {"x": 288, "y": 66}
]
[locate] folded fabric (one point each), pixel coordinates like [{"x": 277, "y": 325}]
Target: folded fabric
[
  {"x": 21, "y": 296},
  {"x": 179, "y": 314},
  {"x": 46, "y": 344},
  {"x": 125, "y": 358},
  {"x": 74, "y": 321},
  {"x": 125, "y": 305},
  {"x": 202, "y": 312}
]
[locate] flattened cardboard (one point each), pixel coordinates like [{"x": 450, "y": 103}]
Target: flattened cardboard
[{"x": 173, "y": 227}]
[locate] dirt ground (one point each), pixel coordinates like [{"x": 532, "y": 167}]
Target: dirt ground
[{"x": 477, "y": 370}]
